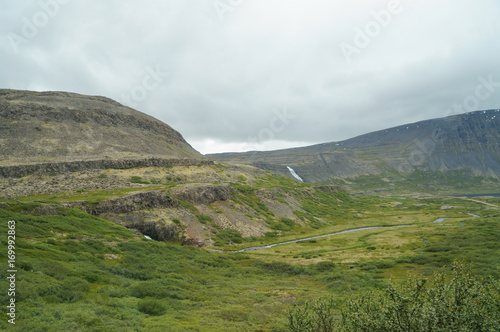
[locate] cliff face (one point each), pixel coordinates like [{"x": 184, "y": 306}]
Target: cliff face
[
  {"x": 55, "y": 126},
  {"x": 467, "y": 142}
]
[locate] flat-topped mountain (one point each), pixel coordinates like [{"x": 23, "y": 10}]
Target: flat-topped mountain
[
  {"x": 467, "y": 142},
  {"x": 61, "y": 126}
]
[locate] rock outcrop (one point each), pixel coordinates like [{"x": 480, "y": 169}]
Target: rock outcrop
[
  {"x": 131, "y": 203},
  {"x": 45, "y": 169},
  {"x": 119, "y": 205},
  {"x": 203, "y": 194}
]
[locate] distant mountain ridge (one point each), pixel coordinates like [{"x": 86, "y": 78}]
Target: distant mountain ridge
[
  {"x": 467, "y": 142},
  {"x": 62, "y": 126}
]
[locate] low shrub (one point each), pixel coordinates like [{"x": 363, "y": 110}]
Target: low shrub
[
  {"x": 225, "y": 236},
  {"x": 138, "y": 179},
  {"x": 203, "y": 218},
  {"x": 151, "y": 307},
  {"x": 287, "y": 221},
  {"x": 325, "y": 266}
]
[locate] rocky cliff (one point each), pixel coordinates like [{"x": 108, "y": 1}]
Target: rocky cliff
[{"x": 18, "y": 171}]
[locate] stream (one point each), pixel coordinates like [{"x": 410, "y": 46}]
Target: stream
[
  {"x": 336, "y": 233},
  {"x": 314, "y": 237}
]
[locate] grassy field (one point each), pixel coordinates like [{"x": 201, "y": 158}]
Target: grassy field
[{"x": 81, "y": 273}]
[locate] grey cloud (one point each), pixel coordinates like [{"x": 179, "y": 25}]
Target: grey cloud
[{"x": 228, "y": 77}]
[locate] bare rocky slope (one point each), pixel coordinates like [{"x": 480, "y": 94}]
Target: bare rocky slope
[
  {"x": 37, "y": 127},
  {"x": 469, "y": 143}
]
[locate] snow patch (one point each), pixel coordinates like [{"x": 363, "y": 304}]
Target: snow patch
[{"x": 294, "y": 174}]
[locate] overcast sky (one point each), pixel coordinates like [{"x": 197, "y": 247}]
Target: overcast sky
[{"x": 236, "y": 75}]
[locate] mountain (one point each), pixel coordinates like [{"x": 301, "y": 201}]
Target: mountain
[
  {"x": 62, "y": 151},
  {"x": 468, "y": 143},
  {"x": 62, "y": 126}
]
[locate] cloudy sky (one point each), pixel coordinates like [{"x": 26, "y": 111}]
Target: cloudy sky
[{"x": 236, "y": 75}]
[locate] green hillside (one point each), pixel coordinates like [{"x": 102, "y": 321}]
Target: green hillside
[{"x": 83, "y": 273}]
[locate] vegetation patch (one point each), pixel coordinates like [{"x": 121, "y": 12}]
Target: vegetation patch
[
  {"x": 151, "y": 307},
  {"x": 227, "y": 236},
  {"x": 203, "y": 218},
  {"x": 465, "y": 303},
  {"x": 138, "y": 179}
]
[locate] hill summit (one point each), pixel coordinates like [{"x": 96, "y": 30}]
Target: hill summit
[{"x": 61, "y": 126}]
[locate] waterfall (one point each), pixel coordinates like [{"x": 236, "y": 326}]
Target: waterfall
[{"x": 294, "y": 174}]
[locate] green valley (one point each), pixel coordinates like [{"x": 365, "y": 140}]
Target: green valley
[{"x": 83, "y": 273}]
